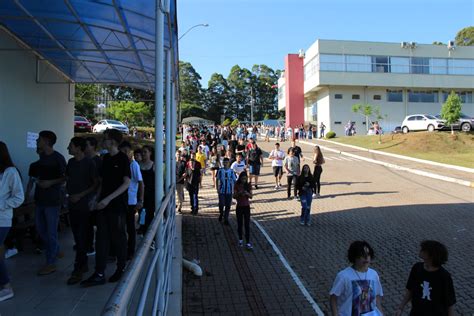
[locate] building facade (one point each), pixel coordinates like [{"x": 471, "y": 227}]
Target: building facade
[{"x": 399, "y": 78}]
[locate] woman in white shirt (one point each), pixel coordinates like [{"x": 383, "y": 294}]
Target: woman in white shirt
[{"x": 11, "y": 196}]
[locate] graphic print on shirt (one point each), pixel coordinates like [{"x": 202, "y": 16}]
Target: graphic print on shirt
[
  {"x": 426, "y": 291},
  {"x": 362, "y": 296}
]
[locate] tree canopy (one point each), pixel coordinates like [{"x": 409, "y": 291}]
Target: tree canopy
[{"x": 465, "y": 37}]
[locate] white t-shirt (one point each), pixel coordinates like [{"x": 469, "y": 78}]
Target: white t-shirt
[
  {"x": 277, "y": 154},
  {"x": 356, "y": 292},
  {"x": 205, "y": 150},
  {"x": 238, "y": 167},
  {"x": 133, "y": 188}
]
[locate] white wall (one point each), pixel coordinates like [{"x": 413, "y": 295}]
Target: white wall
[
  {"x": 324, "y": 111},
  {"x": 26, "y": 106}
]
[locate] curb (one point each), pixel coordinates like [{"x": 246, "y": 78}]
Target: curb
[
  {"x": 433, "y": 163},
  {"x": 176, "y": 288},
  {"x": 397, "y": 167}
]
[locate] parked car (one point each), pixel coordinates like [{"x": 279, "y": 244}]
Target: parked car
[
  {"x": 81, "y": 124},
  {"x": 421, "y": 122},
  {"x": 103, "y": 125},
  {"x": 465, "y": 123}
]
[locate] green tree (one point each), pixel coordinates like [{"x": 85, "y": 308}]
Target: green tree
[
  {"x": 191, "y": 109},
  {"x": 239, "y": 80},
  {"x": 135, "y": 113},
  {"x": 266, "y": 92},
  {"x": 438, "y": 43},
  {"x": 368, "y": 111},
  {"x": 217, "y": 98},
  {"x": 465, "y": 37},
  {"x": 86, "y": 99},
  {"x": 451, "y": 109},
  {"x": 190, "y": 89}
]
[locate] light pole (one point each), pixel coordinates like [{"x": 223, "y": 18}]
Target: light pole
[{"x": 192, "y": 27}]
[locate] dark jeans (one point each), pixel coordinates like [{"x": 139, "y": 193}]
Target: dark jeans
[
  {"x": 3, "y": 269},
  {"x": 290, "y": 179},
  {"x": 317, "y": 177},
  {"x": 193, "y": 198},
  {"x": 111, "y": 232},
  {"x": 243, "y": 217},
  {"x": 80, "y": 220},
  {"x": 46, "y": 220},
  {"x": 225, "y": 201},
  {"x": 149, "y": 214},
  {"x": 90, "y": 231},
  {"x": 131, "y": 231},
  {"x": 306, "y": 199}
]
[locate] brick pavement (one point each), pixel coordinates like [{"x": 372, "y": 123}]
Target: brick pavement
[{"x": 392, "y": 210}]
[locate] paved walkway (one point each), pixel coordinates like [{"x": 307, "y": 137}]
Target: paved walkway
[{"x": 392, "y": 210}]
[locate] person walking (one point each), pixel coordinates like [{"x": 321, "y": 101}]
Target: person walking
[
  {"x": 225, "y": 181},
  {"x": 357, "y": 289},
  {"x": 292, "y": 168},
  {"x": 318, "y": 161},
  {"x": 430, "y": 286},
  {"x": 11, "y": 196},
  {"x": 51, "y": 168},
  {"x": 277, "y": 156},
  {"x": 147, "y": 168},
  {"x": 243, "y": 194},
  {"x": 214, "y": 164},
  {"x": 322, "y": 129},
  {"x": 180, "y": 179},
  {"x": 238, "y": 165},
  {"x": 305, "y": 187},
  {"x": 81, "y": 185},
  {"x": 255, "y": 162},
  {"x": 193, "y": 180}
]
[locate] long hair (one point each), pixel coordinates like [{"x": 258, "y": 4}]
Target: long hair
[
  {"x": 302, "y": 176},
  {"x": 247, "y": 185},
  {"x": 319, "y": 155},
  {"x": 5, "y": 159}
]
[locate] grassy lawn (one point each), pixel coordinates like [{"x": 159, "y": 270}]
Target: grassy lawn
[{"x": 437, "y": 146}]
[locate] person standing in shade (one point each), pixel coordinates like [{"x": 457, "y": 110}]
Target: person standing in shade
[
  {"x": 357, "y": 289},
  {"x": 318, "y": 161},
  {"x": 11, "y": 196},
  {"x": 135, "y": 198},
  {"x": 243, "y": 194},
  {"x": 305, "y": 187},
  {"x": 112, "y": 210},
  {"x": 255, "y": 162},
  {"x": 51, "y": 168},
  {"x": 430, "y": 286},
  {"x": 225, "y": 179},
  {"x": 277, "y": 155},
  {"x": 81, "y": 184},
  {"x": 193, "y": 180},
  {"x": 180, "y": 180},
  {"x": 292, "y": 168},
  {"x": 322, "y": 129},
  {"x": 147, "y": 168}
]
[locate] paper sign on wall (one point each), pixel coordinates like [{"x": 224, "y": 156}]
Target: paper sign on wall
[{"x": 31, "y": 139}]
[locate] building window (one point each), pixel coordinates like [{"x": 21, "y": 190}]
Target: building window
[
  {"x": 281, "y": 92},
  {"x": 461, "y": 66},
  {"x": 400, "y": 65},
  {"x": 466, "y": 96},
  {"x": 420, "y": 65},
  {"x": 355, "y": 97},
  {"x": 380, "y": 64},
  {"x": 329, "y": 62},
  {"x": 377, "y": 97},
  {"x": 394, "y": 95},
  {"x": 423, "y": 96},
  {"x": 338, "y": 96}
]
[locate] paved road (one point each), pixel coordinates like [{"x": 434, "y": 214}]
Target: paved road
[{"x": 392, "y": 210}]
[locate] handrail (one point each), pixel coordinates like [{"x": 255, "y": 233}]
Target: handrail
[{"x": 123, "y": 293}]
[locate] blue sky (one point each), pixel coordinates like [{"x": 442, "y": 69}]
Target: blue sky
[{"x": 248, "y": 32}]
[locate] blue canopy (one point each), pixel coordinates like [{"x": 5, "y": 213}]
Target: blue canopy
[{"x": 93, "y": 41}]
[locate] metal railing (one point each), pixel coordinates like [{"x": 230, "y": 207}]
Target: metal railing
[{"x": 145, "y": 286}]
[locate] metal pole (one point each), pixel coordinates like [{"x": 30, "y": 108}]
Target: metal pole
[
  {"x": 159, "y": 67},
  {"x": 169, "y": 131},
  {"x": 251, "y": 105},
  {"x": 173, "y": 130}
]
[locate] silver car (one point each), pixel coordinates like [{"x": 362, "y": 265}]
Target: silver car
[{"x": 465, "y": 123}]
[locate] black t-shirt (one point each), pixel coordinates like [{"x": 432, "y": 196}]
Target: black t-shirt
[
  {"x": 254, "y": 156},
  {"x": 180, "y": 170},
  {"x": 233, "y": 144},
  {"x": 240, "y": 148},
  {"x": 432, "y": 292},
  {"x": 48, "y": 167},
  {"x": 80, "y": 177},
  {"x": 114, "y": 169}
]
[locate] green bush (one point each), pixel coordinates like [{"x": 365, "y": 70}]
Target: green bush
[{"x": 330, "y": 134}]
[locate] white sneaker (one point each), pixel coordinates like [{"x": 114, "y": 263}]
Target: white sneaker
[
  {"x": 10, "y": 253},
  {"x": 315, "y": 195},
  {"x": 6, "y": 294},
  {"x": 276, "y": 187}
]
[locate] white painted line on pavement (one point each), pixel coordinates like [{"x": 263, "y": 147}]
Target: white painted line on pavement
[{"x": 295, "y": 277}]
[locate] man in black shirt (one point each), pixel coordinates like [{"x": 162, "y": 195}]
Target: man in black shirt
[
  {"x": 255, "y": 162},
  {"x": 81, "y": 184},
  {"x": 180, "y": 176},
  {"x": 112, "y": 210},
  {"x": 232, "y": 144},
  {"x": 49, "y": 172},
  {"x": 296, "y": 150},
  {"x": 193, "y": 179}
]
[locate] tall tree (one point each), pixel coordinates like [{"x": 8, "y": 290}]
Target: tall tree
[
  {"x": 135, "y": 113},
  {"x": 240, "y": 80},
  {"x": 86, "y": 99},
  {"x": 465, "y": 37},
  {"x": 266, "y": 91},
  {"x": 190, "y": 89},
  {"x": 451, "y": 110},
  {"x": 218, "y": 98}
]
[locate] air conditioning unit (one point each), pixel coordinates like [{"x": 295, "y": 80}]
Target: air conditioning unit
[
  {"x": 451, "y": 45},
  {"x": 404, "y": 45},
  {"x": 301, "y": 53},
  {"x": 412, "y": 44}
]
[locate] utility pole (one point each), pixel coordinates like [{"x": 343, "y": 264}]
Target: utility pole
[{"x": 251, "y": 105}]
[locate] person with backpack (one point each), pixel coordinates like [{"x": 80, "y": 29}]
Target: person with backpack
[
  {"x": 243, "y": 194},
  {"x": 305, "y": 187}
]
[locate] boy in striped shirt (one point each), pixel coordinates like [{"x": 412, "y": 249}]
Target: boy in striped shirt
[{"x": 225, "y": 188}]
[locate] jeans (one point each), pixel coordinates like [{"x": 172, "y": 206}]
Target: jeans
[
  {"x": 225, "y": 201},
  {"x": 243, "y": 217},
  {"x": 290, "y": 179},
  {"x": 193, "y": 198},
  {"x": 317, "y": 177},
  {"x": 80, "y": 222},
  {"x": 3, "y": 269},
  {"x": 46, "y": 220},
  {"x": 306, "y": 199},
  {"x": 180, "y": 194},
  {"x": 131, "y": 231}
]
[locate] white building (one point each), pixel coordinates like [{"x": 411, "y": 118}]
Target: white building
[{"x": 401, "y": 78}]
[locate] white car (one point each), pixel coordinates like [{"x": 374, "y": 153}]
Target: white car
[
  {"x": 421, "y": 122},
  {"x": 104, "y": 125}
]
